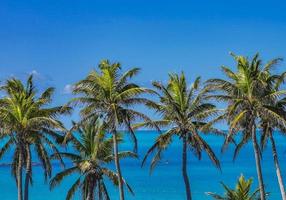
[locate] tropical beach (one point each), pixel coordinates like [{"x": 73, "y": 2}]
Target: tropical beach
[{"x": 109, "y": 100}]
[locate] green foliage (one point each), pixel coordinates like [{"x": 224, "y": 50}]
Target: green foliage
[
  {"x": 253, "y": 93},
  {"x": 185, "y": 113},
  {"x": 242, "y": 191},
  {"x": 28, "y": 120},
  {"x": 108, "y": 93},
  {"x": 93, "y": 151},
  {"x": 250, "y": 92}
]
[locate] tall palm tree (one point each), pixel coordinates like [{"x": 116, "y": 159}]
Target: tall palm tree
[
  {"x": 90, "y": 157},
  {"x": 109, "y": 94},
  {"x": 269, "y": 125},
  {"x": 247, "y": 94},
  {"x": 184, "y": 113},
  {"x": 242, "y": 191},
  {"x": 27, "y": 121}
]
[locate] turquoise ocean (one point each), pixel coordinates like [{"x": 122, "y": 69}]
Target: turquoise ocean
[{"x": 166, "y": 182}]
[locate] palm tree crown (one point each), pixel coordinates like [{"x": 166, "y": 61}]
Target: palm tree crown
[
  {"x": 109, "y": 94},
  {"x": 93, "y": 153},
  {"x": 249, "y": 99},
  {"x": 27, "y": 121},
  {"x": 185, "y": 113},
  {"x": 242, "y": 191}
]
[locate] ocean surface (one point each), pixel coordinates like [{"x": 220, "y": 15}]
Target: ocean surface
[{"x": 166, "y": 182}]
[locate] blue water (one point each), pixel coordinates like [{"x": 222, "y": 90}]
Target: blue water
[{"x": 166, "y": 182}]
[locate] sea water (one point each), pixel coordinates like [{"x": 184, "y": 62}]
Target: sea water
[{"x": 166, "y": 182}]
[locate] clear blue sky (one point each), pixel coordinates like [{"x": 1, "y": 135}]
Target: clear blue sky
[{"x": 60, "y": 41}]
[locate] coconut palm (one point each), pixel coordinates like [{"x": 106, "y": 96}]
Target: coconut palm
[
  {"x": 27, "y": 121},
  {"x": 242, "y": 191},
  {"x": 109, "y": 94},
  {"x": 91, "y": 155},
  {"x": 269, "y": 125},
  {"x": 184, "y": 113},
  {"x": 247, "y": 94}
]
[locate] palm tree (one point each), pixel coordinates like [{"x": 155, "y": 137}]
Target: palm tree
[
  {"x": 184, "y": 112},
  {"x": 91, "y": 155},
  {"x": 269, "y": 125},
  {"x": 27, "y": 121},
  {"x": 107, "y": 93},
  {"x": 248, "y": 98},
  {"x": 242, "y": 191}
]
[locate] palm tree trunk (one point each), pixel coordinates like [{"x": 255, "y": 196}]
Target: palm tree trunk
[
  {"x": 258, "y": 162},
  {"x": 278, "y": 171},
  {"x": 117, "y": 165},
  {"x": 28, "y": 173},
  {"x": 90, "y": 193},
  {"x": 184, "y": 169},
  {"x": 19, "y": 176}
]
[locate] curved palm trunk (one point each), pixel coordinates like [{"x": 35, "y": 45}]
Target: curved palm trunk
[
  {"x": 19, "y": 176},
  {"x": 184, "y": 169},
  {"x": 28, "y": 173},
  {"x": 117, "y": 165},
  {"x": 277, "y": 166},
  {"x": 258, "y": 162}
]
